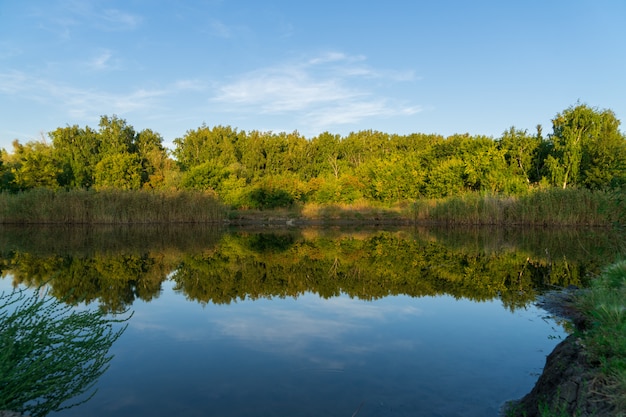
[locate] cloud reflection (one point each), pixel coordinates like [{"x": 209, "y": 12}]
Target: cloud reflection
[{"x": 301, "y": 327}]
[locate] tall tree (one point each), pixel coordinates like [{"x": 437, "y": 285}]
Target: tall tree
[
  {"x": 217, "y": 145},
  {"x": 34, "y": 166},
  {"x": 520, "y": 151},
  {"x": 116, "y": 136},
  {"x": 156, "y": 165},
  {"x": 78, "y": 152},
  {"x": 586, "y": 147}
]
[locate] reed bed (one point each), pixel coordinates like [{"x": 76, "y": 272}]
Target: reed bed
[
  {"x": 553, "y": 207},
  {"x": 43, "y": 206},
  {"x": 362, "y": 210}
]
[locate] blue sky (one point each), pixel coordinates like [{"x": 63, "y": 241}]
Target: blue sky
[{"x": 282, "y": 65}]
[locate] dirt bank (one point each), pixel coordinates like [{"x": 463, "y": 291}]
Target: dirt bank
[{"x": 569, "y": 384}]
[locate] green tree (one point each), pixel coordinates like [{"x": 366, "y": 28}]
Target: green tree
[
  {"x": 445, "y": 179},
  {"x": 116, "y": 136},
  {"x": 395, "y": 178},
  {"x": 217, "y": 145},
  {"x": 6, "y": 176},
  {"x": 324, "y": 156},
  {"x": 206, "y": 176},
  {"x": 586, "y": 147},
  {"x": 520, "y": 152},
  {"x": 121, "y": 171},
  {"x": 78, "y": 151},
  {"x": 34, "y": 166},
  {"x": 158, "y": 168}
]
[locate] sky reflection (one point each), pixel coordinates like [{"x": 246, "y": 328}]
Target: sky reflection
[{"x": 314, "y": 356}]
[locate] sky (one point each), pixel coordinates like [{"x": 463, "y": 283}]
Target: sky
[{"x": 338, "y": 66}]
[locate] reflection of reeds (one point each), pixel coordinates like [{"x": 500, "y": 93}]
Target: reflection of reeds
[
  {"x": 109, "y": 207},
  {"x": 553, "y": 207}
]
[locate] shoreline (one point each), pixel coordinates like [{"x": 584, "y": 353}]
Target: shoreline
[{"x": 570, "y": 384}]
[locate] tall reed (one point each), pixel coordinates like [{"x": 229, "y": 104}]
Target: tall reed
[
  {"x": 43, "y": 206},
  {"x": 552, "y": 207}
]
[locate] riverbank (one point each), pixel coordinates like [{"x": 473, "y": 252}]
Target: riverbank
[
  {"x": 549, "y": 207},
  {"x": 585, "y": 375}
]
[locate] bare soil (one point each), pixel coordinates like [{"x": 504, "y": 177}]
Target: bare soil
[{"x": 569, "y": 384}]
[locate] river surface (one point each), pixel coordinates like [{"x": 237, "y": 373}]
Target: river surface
[{"x": 400, "y": 322}]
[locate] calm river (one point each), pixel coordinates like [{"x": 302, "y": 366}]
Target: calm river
[{"x": 312, "y": 322}]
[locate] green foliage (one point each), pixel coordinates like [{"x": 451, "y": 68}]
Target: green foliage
[
  {"x": 604, "y": 304},
  {"x": 119, "y": 171},
  {"x": 202, "y": 145},
  {"x": 445, "y": 179},
  {"x": 587, "y": 148},
  {"x": 77, "y": 151},
  {"x": 206, "y": 176},
  {"x": 521, "y": 153},
  {"x": 49, "y": 353},
  {"x": 267, "y": 198},
  {"x": 34, "y": 166},
  {"x": 114, "y": 156}
]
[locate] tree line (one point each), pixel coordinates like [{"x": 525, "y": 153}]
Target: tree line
[{"x": 257, "y": 169}]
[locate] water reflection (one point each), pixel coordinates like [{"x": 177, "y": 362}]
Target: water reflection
[
  {"x": 115, "y": 267},
  {"x": 313, "y": 322}
]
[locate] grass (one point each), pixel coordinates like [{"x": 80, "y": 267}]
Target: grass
[
  {"x": 362, "y": 210},
  {"x": 604, "y": 306},
  {"x": 43, "y": 206},
  {"x": 550, "y": 207}
]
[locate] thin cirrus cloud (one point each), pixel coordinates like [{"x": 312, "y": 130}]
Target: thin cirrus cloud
[
  {"x": 103, "y": 62},
  {"x": 324, "y": 91},
  {"x": 103, "y": 18},
  {"x": 82, "y": 102}
]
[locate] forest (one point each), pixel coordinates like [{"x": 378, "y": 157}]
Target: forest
[{"x": 261, "y": 170}]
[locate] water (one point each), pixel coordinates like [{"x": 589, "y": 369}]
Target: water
[
  {"x": 370, "y": 337},
  {"x": 314, "y": 357}
]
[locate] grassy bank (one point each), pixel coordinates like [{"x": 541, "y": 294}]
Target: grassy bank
[
  {"x": 42, "y": 206},
  {"x": 604, "y": 339},
  {"x": 551, "y": 207}
]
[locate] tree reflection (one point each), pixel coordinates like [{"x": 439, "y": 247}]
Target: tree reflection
[{"x": 479, "y": 265}]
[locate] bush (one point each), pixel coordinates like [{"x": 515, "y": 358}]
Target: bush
[{"x": 49, "y": 353}]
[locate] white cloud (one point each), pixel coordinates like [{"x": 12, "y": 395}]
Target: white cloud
[
  {"x": 316, "y": 318},
  {"x": 355, "y": 111},
  {"x": 76, "y": 101},
  {"x": 12, "y": 82},
  {"x": 324, "y": 91},
  {"x": 69, "y": 15},
  {"x": 190, "y": 85},
  {"x": 220, "y": 29},
  {"x": 283, "y": 90},
  {"x": 102, "y": 62},
  {"x": 115, "y": 19}
]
